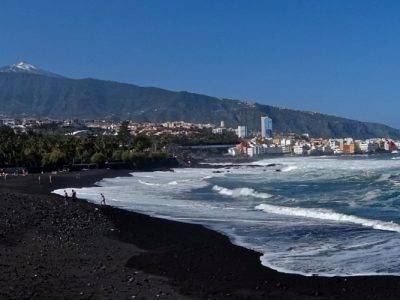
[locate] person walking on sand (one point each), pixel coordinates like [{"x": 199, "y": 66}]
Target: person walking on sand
[
  {"x": 103, "y": 199},
  {"x": 74, "y": 198},
  {"x": 65, "y": 197}
]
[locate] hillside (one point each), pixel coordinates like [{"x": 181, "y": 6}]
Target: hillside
[{"x": 41, "y": 95}]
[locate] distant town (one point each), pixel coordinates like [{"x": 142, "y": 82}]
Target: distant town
[
  {"x": 268, "y": 143},
  {"x": 250, "y": 143}
]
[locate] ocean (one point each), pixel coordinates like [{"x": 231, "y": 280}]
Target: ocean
[{"x": 331, "y": 216}]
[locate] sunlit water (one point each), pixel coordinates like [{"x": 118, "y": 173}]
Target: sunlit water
[{"x": 316, "y": 215}]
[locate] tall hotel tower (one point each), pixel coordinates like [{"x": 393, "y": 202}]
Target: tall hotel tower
[{"x": 266, "y": 127}]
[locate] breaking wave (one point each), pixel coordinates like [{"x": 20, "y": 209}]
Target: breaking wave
[
  {"x": 329, "y": 215},
  {"x": 240, "y": 192}
]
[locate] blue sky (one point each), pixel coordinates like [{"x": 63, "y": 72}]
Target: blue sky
[{"x": 336, "y": 57}]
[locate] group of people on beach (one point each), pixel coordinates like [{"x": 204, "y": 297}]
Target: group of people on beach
[{"x": 74, "y": 197}]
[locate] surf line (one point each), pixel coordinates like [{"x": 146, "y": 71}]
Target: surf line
[{"x": 326, "y": 214}]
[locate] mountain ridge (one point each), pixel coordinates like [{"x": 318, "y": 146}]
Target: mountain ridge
[{"x": 42, "y": 95}]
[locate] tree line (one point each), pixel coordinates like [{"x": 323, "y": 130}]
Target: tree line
[
  {"x": 49, "y": 151},
  {"x": 54, "y": 150}
]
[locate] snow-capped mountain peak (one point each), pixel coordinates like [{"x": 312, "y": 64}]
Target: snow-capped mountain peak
[
  {"x": 27, "y": 68},
  {"x": 24, "y": 66}
]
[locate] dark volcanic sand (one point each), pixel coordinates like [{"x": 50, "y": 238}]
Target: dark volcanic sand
[{"x": 49, "y": 250}]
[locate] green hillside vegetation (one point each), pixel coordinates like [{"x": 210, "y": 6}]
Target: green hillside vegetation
[{"x": 43, "y": 96}]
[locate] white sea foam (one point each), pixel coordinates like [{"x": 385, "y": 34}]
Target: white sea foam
[
  {"x": 289, "y": 168},
  {"x": 329, "y": 215},
  {"x": 283, "y": 232},
  {"x": 240, "y": 192},
  {"x": 147, "y": 183},
  {"x": 318, "y": 163},
  {"x": 217, "y": 163}
]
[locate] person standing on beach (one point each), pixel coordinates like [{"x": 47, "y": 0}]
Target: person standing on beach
[
  {"x": 65, "y": 197},
  {"x": 74, "y": 198},
  {"x": 103, "y": 199}
]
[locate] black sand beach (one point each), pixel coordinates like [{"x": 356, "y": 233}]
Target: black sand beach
[{"x": 81, "y": 250}]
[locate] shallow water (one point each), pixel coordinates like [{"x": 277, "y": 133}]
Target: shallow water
[{"x": 307, "y": 215}]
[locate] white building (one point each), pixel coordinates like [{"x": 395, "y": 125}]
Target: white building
[
  {"x": 299, "y": 150},
  {"x": 337, "y": 151},
  {"x": 361, "y": 146},
  {"x": 234, "y": 151},
  {"x": 276, "y": 149},
  {"x": 336, "y": 143},
  {"x": 255, "y": 150},
  {"x": 218, "y": 130},
  {"x": 266, "y": 127},
  {"x": 286, "y": 142},
  {"x": 348, "y": 140},
  {"x": 241, "y": 131},
  {"x": 386, "y": 146}
]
